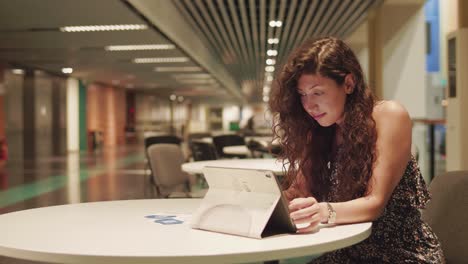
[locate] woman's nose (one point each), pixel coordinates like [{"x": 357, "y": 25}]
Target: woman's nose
[{"x": 308, "y": 102}]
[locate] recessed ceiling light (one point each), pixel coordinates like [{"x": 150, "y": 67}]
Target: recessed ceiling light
[
  {"x": 270, "y": 62},
  {"x": 269, "y": 69},
  {"x": 161, "y": 60},
  {"x": 173, "y": 97},
  {"x": 177, "y": 69},
  {"x": 103, "y": 28},
  {"x": 272, "y": 52},
  {"x": 17, "y": 71},
  {"x": 273, "y": 41},
  {"x": 275, "y": 23},
  {"x": 140, "y": 47},
  {"x": 67, "y": 70}
]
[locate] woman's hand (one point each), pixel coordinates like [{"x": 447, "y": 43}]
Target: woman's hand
[{"x": 307, "y": 213}]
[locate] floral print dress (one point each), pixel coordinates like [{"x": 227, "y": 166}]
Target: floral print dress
[{"x": 399, "y": 235}]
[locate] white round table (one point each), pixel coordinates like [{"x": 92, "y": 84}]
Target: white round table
[
  {"x": 259, "y": 164},
  {"x": 118, "y": 232}
]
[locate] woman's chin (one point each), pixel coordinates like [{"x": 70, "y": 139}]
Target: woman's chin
[{"x": 324, "y": 123}]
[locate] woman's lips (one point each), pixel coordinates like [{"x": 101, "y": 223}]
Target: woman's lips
[{"x": 317, "y": 117}]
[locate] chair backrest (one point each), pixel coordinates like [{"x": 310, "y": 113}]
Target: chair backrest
[
  {"x": 203, "y": 151},
  {"x": 168, "y": 139},
  {"x": 447, "y": 214},
  {"x": 166, "y": 161},
  {"x": 256, "y": 148},
  {"x": 222, "y": 141}
]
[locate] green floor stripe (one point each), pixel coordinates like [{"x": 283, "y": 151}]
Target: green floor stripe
[{"x": 31, "y": 190}]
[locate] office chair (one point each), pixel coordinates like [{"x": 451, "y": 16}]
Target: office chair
[
  {"x": 168, "y": 178},
  {"x": 203, "y": 151},
  {"x": 222, "y": 141},
  {"x": 168, "y": 139}
]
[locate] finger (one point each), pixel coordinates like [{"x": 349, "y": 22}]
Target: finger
[
  {"x": 309, "y": 229},
  {"x": 304, "y": 212},
  {"x": 309, "y": 219},
  {"x": 300, "y": 203}
]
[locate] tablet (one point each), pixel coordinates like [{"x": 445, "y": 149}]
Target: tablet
[{"x": 247, "y": 202}]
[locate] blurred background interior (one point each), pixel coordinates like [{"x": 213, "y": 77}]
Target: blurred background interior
[{"x": 86, "y": 86}]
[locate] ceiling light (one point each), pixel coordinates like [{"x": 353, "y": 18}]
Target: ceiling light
[
  {"x": 270, "y": 62},
  {"x": 67, "y": 70},
  {"x": 161, "y": 60},
  {"x": 276, "y": 23},
  {"x": 180, "y": 99},
  {"x": 140, "y": 47},
  {"x": 172, "y": 97},
  {"x": 192, "y": 76},
  {"x": 269, "y": 78},
  {"x": 272, "y": 52},
  {"x": 177, "y": 69},
  {"x": 196, "y": 81},
  {"x": 269, "y": 69},
  {"x": 266, "y": 98},
  {"x": 102, "y": 28},
  {"x": 273, "y": 41},
  {"x": 17, "y": 71}
]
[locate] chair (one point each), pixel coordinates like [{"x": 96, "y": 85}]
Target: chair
[
  {"x": 203, "y": 151},
  {"x": 162, "y": 139},
  {"x": 168, "y": 178},
  {"x": 256, "y": 148},
  {"x": 166, "y": 139},
  {"x": 275, "y": 150},
  {"x": 447, "y": 214},
  {"x": 222, "y": 141}
]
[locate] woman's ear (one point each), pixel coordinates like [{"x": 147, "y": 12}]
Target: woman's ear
[{"x": 349, "y": 83}]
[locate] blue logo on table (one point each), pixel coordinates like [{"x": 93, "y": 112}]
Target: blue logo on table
[{"x": 165, "y": 219}]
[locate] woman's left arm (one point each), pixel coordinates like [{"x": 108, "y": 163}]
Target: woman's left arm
[{"x": 393, "y": 145}]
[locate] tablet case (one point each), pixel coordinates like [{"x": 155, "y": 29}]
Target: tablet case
[{"x": 245, "y": 202}]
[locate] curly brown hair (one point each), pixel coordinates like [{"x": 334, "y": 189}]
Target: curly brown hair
[{"x": 309, "y": 147}]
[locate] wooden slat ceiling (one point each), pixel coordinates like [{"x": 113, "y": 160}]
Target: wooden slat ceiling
[{"x": 238, "y": 31}]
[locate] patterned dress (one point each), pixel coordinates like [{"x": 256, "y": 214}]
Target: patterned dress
[{"x": 399, "y": 235}]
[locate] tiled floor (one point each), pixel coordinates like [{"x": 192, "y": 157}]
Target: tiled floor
[{"x": 112, "y": 174}]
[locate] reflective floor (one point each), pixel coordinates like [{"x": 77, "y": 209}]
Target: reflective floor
[{"x": 110, "y": 174}]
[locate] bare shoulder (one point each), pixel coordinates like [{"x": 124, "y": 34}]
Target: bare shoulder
[{"x": 390, "y": 112}]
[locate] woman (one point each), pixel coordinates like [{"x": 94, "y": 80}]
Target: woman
[{"x": 352, "y": 157}]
